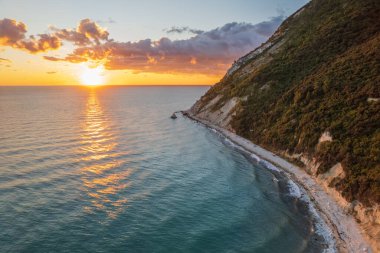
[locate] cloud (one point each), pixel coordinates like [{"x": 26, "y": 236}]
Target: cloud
[
  {"x": 108, "y": 21},
  {"x": 183, "y": 29},
  {"x": 12, "y": 33},
  {"x": 5, "y": 60},
  {"x": 209, "y": 52},
  {"x": 267, "y": 28},
  {"x": 92, "y": 30},
  {"x": 45, "y": 42},
  {"x": 51, "y": 72},
  {"x": 77, "y": 38},
  {"x": 51, "y": 58},
  {"x": 87, "y": 32},
  {"x": 70, "y": 58}
]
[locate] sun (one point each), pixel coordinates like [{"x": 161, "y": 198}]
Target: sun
[{"x": 92, "y": 76}]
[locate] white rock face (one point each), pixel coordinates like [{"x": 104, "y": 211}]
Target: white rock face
[
  {"x": 299, "y": 12},
  {"x": 373, "y": 99},
  {"x": 326, "y": 136},
  {"x": 336, "y": 172},
  {"x": 222, "y": 116},
  {"x": 237, "y": 64},
  {"x": 369, "y": 217}
]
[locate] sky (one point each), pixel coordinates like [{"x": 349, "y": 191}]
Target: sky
[{"x": 145, "y": 42}]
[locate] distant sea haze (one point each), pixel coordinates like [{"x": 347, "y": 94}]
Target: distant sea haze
[{"x": 106, "y": 170}]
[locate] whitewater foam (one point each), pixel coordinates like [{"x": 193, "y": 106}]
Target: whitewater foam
[
  {"x": 255, "y": 157},
  {"x": 269, "y": 166}
]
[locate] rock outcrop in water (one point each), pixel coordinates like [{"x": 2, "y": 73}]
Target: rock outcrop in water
[
  {"x": 311, "y": 94},
  {"x": 173, "y": 116}
]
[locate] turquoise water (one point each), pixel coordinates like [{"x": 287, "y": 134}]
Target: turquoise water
[{"x": 107, "y": 170}]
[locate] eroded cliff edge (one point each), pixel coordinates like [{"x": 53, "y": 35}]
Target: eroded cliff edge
[{"x": 311, "y": 94}]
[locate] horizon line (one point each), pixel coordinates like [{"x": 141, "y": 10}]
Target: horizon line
[{"x": 95, "y": 86}]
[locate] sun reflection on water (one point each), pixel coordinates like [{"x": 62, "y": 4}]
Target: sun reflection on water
[{"x": 102, "y": 178}]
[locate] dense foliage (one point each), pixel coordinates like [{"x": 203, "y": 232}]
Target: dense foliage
[{"x": 323, "y": 78}]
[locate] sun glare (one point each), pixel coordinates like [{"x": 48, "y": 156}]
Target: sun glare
[{"x": 92, "y": 76}]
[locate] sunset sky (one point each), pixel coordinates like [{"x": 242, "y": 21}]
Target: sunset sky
[{"x": 130, "y": 42}]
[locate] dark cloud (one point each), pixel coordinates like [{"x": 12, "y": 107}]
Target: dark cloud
[
  {"x": 51, "y": 72},
  {"x": 183, "y": 29}
]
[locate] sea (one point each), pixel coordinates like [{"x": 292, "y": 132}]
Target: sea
[{"x": 105, "y": 169}]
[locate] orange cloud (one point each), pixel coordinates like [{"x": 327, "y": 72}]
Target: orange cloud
[
  {"x": 12, "y": 33},
  {"x": 69, "y": 58},
  {"x": 86, "y": 33},
  {"x": 72, "y": 36},
  {"x": 92, "y": 30},
  {"x": 45, "y": 42}
]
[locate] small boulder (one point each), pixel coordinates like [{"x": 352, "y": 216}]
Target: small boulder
[{"x": 173, "y": 116}]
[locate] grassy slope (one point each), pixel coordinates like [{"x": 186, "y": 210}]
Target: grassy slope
[{"x": 320, "y": 80}]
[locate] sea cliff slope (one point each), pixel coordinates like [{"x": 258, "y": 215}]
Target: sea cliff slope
[{"x": 311, "y": 94}]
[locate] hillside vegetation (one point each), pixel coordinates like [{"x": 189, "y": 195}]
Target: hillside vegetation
[{"x": 324, "y": 76}]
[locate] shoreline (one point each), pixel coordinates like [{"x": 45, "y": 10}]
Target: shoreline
[{"x": 346, "y": 233}]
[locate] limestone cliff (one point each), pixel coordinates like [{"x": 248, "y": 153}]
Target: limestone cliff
[{"x": 311, "y": 94}]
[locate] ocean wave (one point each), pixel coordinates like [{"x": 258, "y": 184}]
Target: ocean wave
[
  {"x": 255, "y": 157},
  {"x": 229, "y": 142},
  {"x": 319, "y": 225},
  {"x": 321, "y": 228},
  {"x": 294, "y": 190},
  {"x": 269, "y": 166}
]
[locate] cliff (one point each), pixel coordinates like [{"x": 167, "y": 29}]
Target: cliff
[{"x": 311, "y": 94}]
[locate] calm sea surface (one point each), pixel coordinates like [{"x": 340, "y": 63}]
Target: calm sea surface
[{"x": 107, "y": 170}]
